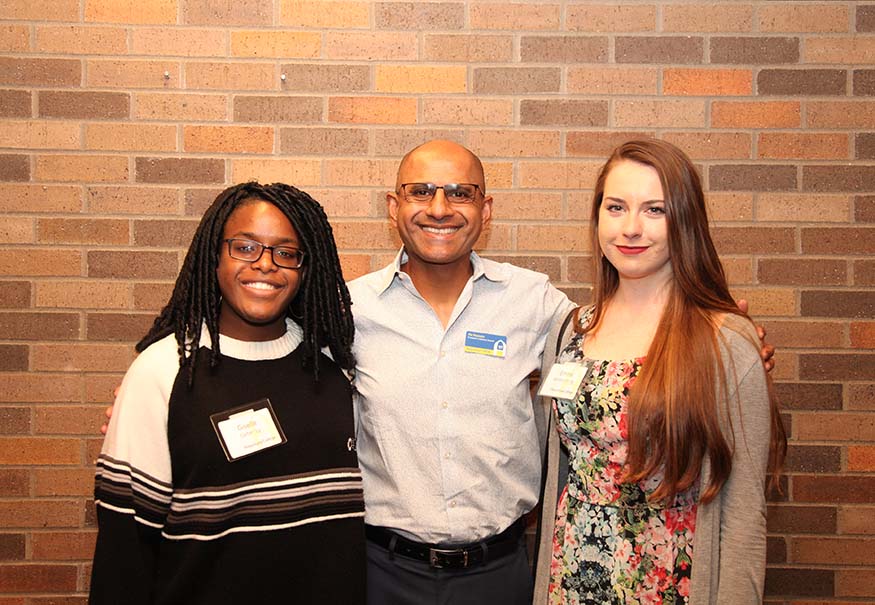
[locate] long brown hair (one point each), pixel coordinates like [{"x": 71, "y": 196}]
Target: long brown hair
[{"x": 673, "y": 416}]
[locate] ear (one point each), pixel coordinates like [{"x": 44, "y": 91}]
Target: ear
[
  {"x": 486, "y": 210},
  {"x": 392, "y": 206}
]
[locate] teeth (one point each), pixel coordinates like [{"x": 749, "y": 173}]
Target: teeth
[
  {"x": 443, "y": 231},
  {"x": 260, "y": 285}
]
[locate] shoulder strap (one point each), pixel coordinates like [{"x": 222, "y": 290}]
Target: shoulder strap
[{"x": 563, "y": 328}]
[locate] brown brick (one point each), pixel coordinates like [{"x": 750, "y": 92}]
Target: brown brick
[
  {"x": 324, "y": 141},
  {"x": 864, "y": 82},
  {"x": 803, "y": 272},
  {"x": 755, "y": 114},
  {"x": 125, "y": 327},
  {"x": 836, "y": 240},
  {"x": 14, "y": 482},
  {"x": 864, "y": 208},
  {"x": 83, "y": 104},
  {"x": 59, "y": 546},
  {"x": 754, "y": 50},
  {"x": 858, "y": 115},
  {"x": 172, "y": 233},
  {"x": 515, "y": 143},
  {"x": 40, "y": 72},
  {"x": 802, "y": 82},
  {"x": 466, "y": 48},
  {"x": 806, "y": 334},
  {"x": 180, "y": 170},
  {"x": 864, "y": 273},
  {"x": 15, "y": 103},
  {"x": 861, "y": 458},
  {"x": 418, "y": 16},
  {"x": 132, "y": 265},
  {"x": 12, "y": 547},
  {"x": 580, "y": 269},
  {"x": 745, "y": 177},
  {"x": 865, "y": 18},
  {"x": 316, "y": 77},
  {"x": 83, "y": 294},
  {"x": 863, "y": 335},
  {"x": 132, "y": 200},
  {"x": 612, "y": 80},
  {"x": 811, "y": 458},
  {"x": 804, "y": 146},
  {"x": 864, "y": 146},
  {"x": 563, "y": 49},
  {"x": 48, "y": 326},
  {"x": 838, "y": 178},
  {"x": 841, "y": 551},
  {"x": 38, "y": 578},
  {"x": 13, "y": 358},
  {"x": 373, "y": 110},
  {"x": 776, "y": 550},
  {"x": 394, "y": 143},
  {"x": 799, "y": 582},
  {"x": 277, "y": 109},
  {"x": 73, "y": 168},
  {"x": 82, "y": 231},
  {"x": 596, "y": 144},
  {"x": 80, "y": 420},
  {"x": 747, "y": 240},
  {"x": 658, "y": 49},
  {"x": 14, "y": 167},
  {"x": 838, "y": 303},
  {"x": 610, "y": 17},
  {"x": 180, "y": 107},
  {"x": 14, "y": 420},
  {"x": 227, "y": 12},
  {"x": 515, "y": 16},
  {"x": 829, "y": 366},
  {"x": 516, "y": 80},
  {"x": 856, "y": 520},
  {"x": 801, "y": 519},
  {"x": 563, "y": 113},
  {"x": 239, "y": 75},
  {"x": 668, "y": 113},
  {"x": 38, "y": 451},
  {"x": 81, "y": 40}
]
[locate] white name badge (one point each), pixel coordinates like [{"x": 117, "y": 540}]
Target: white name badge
[
  {"x": 564, "y": 380},
  {"x": 247, "y": 429}
]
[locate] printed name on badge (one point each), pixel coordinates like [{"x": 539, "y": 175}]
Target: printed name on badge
[
  {"x": 247, "y": 429},
  {"x": 482, "y": 343},
  {"x": 564, "y": 380}
]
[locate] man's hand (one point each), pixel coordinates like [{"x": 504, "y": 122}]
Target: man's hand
[
  {"x": 767, "y": 352},
  {"x": 108, "y": 411}
]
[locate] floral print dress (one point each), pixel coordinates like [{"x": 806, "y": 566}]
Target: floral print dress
[{"x": 610, "y": 545}]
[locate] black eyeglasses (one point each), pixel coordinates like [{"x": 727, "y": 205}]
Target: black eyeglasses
[
  {"x": 250, "y": 251},
  {"x": 456, "y": 193}
]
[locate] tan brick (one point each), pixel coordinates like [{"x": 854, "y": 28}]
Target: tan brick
[
  {"x": 852, "y": 583},
  {"x": 343, "y": 202},
  {"x": 840, "y": 114},
  {"x": 839, "y": 426},
  {"x": 467, "y": 111},
  {"x": 671, "y": 113},
  {"x": 15, "y": 103},
  {"x": 807, "y": 335},
  {"x": 180, "y": 170},
  {"x": 707, "y": 82},
  {"x": 559, "y": 238},
  {"x": 325, "y": 13},
  {"x": 842, "y": 551},
  {"x": 499, "y": 175},
  {"x": 597, "y": 143},
  {"x": 371, "y": 235},
  {"x": 494, "y": 237},
  {"x": 90, "y": 294},
  {"x": 768, "y": 302},
  {"x": 81, "y": 40},
  {"x": 324, "y": 141},
  {"x": 514, "y": 16},
  {"x": 558, "y": 175},
  {"x": 410, "y": 16},
  {"x": 372, "y": 110},
  {"x": 711, "y": 145},
  {"x": 127, "y": 327},
  {"x": 99, "y": 389},
  {"x": 611, "y": 18},
  {"x": 81, "y": 168},
  {"x": 516, "y": 143},
  {"x": 228, "y": 12},
  {"x": 32, "y": 134},
  {"x": 863, "y": 335},
  {"x": 130, "y": 264},
  {"x": 228, "y": 139},
  {"x": 613, "y": 80},
  {"x": 40, "y": 72},
  {"x": 739, "y": 271},
  {"x": 279, "y": 44},
  {"x": 38, "y": 450},
  {"x": 840, "y": 50},
  {"x": 465, "y": 48},
  {"x": 526, "y": 205},
  {"x": 14, "y": 230},
  {"x": 60, "y": 546},
  {"x": 41, "y": 10},
  {"x": 316, "y": 77},
  {"x": 132, "y": 200},
  {"x": 799, "y": 18},
  {"x": 42, "y": 513},
  {"x": 301, "y": 172},
  {"x": 420, "y": 79},
  {"x": 363, "y": 173},
  {"x": 130, "y": 137},
  {"x": 790, "y": 207},
  {"x": 369, "y": 46},
  {"x": 231, "y": 76},
  {"x": 803, "y": 271},
  {"x": 131, "y": 11},
  {"x": 151, "y": 297},
  {"x": 40, "y": 198},
  {"x": 172, "y": 42},
  {"x": 565, "y": 112},
  {"x": 180, "y": 107},
  {"x": 804, "y": 145},
  {"x": 49, "y": 326},
  {"x": 755, "y": 114},
  {"x": 82, "y": 231},
  {"x": 278, "y": 109},
  {"x": 856, "y": 519},
  {"x": 132, "y": 74},
  {"x": 707, "y": 17},
  {"x": 355, "y": 265},
  {"x": 752, "y": 240},
  {"x": 516, "y": 80},
  {"x": 39, "y": 262},
  {"x": 394, "y": 142},
  {"x": 157, "y": 233},
  {"x": 14, "y": 38}
]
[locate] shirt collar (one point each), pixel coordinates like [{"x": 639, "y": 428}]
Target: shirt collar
[{"x": 482, "y": 268}]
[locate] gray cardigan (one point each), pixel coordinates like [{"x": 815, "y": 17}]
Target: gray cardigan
[{"x": 729, "y": 545}]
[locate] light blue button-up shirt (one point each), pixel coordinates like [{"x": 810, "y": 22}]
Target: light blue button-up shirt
[{"x": 447, "y": 440}]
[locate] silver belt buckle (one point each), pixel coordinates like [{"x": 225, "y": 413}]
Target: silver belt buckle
[{"x": 434, "y": 554}]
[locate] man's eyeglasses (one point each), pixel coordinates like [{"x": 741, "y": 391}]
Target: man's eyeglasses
[
  {"x": 250, "y": 251},
  {"x": 456, "y": 193}
]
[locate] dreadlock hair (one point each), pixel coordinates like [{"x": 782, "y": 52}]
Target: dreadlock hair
[{"x": 321, "y": 306}]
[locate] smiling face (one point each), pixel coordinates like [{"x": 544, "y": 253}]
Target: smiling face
[
  {"x": 439, "y": 233},
  {"x": 256, "y": 295},
  {"x": 632, "y": 227}
]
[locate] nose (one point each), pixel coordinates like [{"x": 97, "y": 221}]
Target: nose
[
  {"x": 265, "y": 262},
  {"x": 439, "y": 207},
  {"x": 632, "y": 225}
]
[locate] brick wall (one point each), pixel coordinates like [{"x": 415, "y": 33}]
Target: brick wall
[{"x": 120, "y": 119}]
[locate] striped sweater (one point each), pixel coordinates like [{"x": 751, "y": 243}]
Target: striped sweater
[{"x": 180, "y": 523}]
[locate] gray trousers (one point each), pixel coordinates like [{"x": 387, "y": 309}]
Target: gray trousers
[{"x": 401, "y": 581}]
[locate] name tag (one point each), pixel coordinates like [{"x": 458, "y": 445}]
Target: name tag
[
  {"x": 564, "y": 380},
  {"x": 482, "y": 343},
  {"x": 247, "y": 429}
]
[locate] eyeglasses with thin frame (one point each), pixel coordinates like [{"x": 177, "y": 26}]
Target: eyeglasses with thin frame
[
  {"x": 456, "y": 193},
  {"x": 250, "y": 251}
]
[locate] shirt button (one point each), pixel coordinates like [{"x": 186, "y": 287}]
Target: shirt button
[
  {"x": 447, "y": 455},
  {"x": 445, "y": 405},
  {"x": 452, "y": 504},
  {"x": 442, "y": 354}
]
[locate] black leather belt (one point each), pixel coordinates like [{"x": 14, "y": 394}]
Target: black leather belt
[{"x": 448, "y": 556}]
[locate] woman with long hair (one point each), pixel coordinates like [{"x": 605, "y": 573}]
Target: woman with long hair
[{"x": 669, "y": 424}]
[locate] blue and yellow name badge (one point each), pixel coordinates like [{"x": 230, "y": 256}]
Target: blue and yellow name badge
[{"x": 481, "y": 343}]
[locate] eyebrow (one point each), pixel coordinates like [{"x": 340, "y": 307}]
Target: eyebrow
[
  {"x": 254, "y": 237},
  {"x": 619, "y": 199}
]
